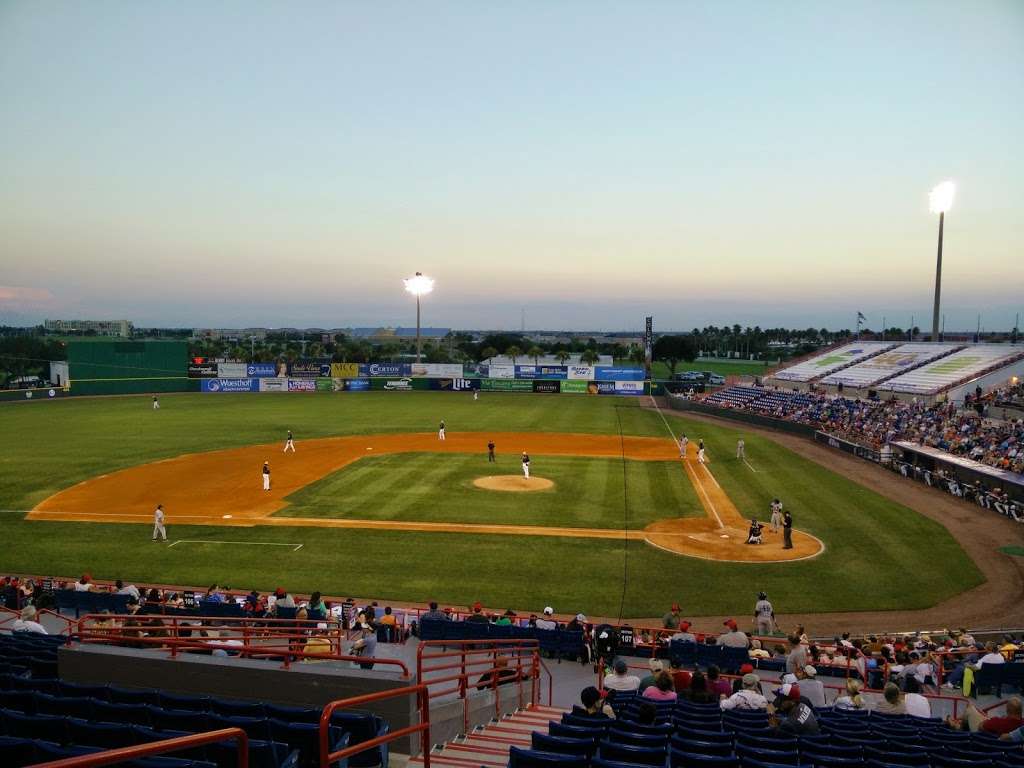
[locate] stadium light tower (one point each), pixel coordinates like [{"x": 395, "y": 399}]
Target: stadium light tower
[
  {"x": 418, "y": 285},
  {"x": 940, "y": 200}
]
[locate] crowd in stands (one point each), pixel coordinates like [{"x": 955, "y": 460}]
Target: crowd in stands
[{"x": 874, "y": 422}]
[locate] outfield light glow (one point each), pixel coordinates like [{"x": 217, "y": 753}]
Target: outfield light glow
[
  {"x": 419, "y": 284},
  {"x": 940, "y": 199}
]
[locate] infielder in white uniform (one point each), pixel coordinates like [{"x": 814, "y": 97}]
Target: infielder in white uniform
[
  {"x": 266, "y": 475},
  {"x": 700, "y": 455},
  {"x": 683, "y": 442},
  {"x": 159, "y": 532},
  {"x": 741, "y": 449},
  {"x": 440, "y": 431},
  {"x": 526, "y": 465},
  {"x": 289, "y": 443}
]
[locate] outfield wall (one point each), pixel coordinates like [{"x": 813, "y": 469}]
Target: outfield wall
[{"x": 285, "y": 385}]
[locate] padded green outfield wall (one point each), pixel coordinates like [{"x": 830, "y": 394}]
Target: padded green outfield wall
[{"x": 120, "y": 367}]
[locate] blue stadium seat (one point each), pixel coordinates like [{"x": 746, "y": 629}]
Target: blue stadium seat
[
  {"x": 65, "y": 706},
  {"x": 185, "y": 701},
  {"x": 362, "y": 727},
  {"x": 144, "y": 735},
  {"x": 81, "y": 689},
  {"x": 49, "y": 727},
  {"x": 179, "y": 720},
  {"x": 133, "y": 696},
  {"x": 528, "y": 758},
  {"x": 623, "y": 753},
  {"x": 305, "y": 737},
  {"x": 292, "y": 714},
  {"x": 16, "y": 753},
  {"x": 575, "y": 731},
  {"x": 678, "y": 759},
  {"x": 106, "y": 735},
  {"x": 21, "y": 701},
  {"x": 262, "y": 754},
  {"x": 257, "y": 728},
  {"x": 778, "y": 757},
  {"x": 722, "y": 747},
  {"x": 561, "y": 744},
  {"x": 238, "y": 708},
  {"x": 622, "y": 736},
  {"x": 136, "y": 714},
  {"x": 658, "y": 729},
  {"x": 895, "y": 757}
]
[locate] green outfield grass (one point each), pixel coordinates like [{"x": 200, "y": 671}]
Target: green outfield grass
[
  {"x": 588, "y": 492},
  {"x": 879, "y": 555}
]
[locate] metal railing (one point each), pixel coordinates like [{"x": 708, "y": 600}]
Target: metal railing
[
  {"x": 422, "y": 727},
  {"x": 7, "y": 616},
  {"x": 124, "y": 754}
]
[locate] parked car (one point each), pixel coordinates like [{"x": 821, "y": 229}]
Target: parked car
[
  {"x": 693, "y": 376},
  {"x": 715, "y": 379}
]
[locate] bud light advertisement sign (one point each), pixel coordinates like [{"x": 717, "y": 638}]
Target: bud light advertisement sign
[{"x": 261, "y": 370}]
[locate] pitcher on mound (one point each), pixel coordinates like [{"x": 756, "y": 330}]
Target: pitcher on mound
[{"x": 526, "y": 465}]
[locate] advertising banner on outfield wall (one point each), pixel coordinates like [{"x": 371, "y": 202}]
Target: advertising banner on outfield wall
[
  {"x": 325, "y": 385},
  {"x": 579, "y": 372},
  {"x": 202, "y": 371},
  {"x": 384, "y": 369},
  {"x": 232, "y": 370},
  {"x": 540, "y": 371},
  {"x": 607, "y": 373},
  {"x": 605, "y": 387},
  {"x": 261, "y": 370},
  {"x": 506, "y": 385},
  {"x": 229, "y": 385},
  {"x": 309, "y": 369},
  {"x": 302, "y": 385},
  {"x": 455, "y": 385},
  {"x": 629, "y": 387},
  {"x": 475, "y": 371},
  {"x": 501, "y": 372},
  {"x": 436, "y": 370},
  {"x": 344, "y": 370},
  {"x": 357, "y": 385},
  {"x": 273, "y": 385},
  {"x": 576, "y": 387},
  {"x": 546, "y": 387}
]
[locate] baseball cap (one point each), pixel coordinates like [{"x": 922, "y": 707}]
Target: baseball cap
[
  {"x": 684, "y": 625},
  {"x": 580, "y": 618},
  {"x": 750, "y": 680},
  {"x": 548, "y": 611},
  {"x": 746, "y": 669},
  {"x": 477, "y": 606},
  {"x": 789, "y": 691},
  {"x": 730, "y": 623},
  {"x": 810, "y": 671},
  {"x": 656, "y": 665},
  {"x": 675, "y": 607},
  {"x": 789, "y": 678}
]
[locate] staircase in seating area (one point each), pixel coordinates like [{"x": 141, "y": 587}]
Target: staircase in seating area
[{"x": 488, "y": 744}]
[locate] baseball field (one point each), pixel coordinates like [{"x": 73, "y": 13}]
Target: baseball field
[{"x": 372, "y": 504}]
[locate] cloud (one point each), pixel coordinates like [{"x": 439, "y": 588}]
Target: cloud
[{"x": 21, "y": 295}]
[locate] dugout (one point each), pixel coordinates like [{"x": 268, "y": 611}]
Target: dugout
[{"x": 120, "y": 367}]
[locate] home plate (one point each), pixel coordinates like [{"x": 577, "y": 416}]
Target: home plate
[
  {"x": 724, "y": 536},
  {"x": 369, "y": 449},
  {"x": 226, "y": 517}
]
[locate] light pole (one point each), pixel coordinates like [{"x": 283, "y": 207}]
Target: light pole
[
  {"x": 940, "y": 200},
  {"x": 418, "y": 285}
]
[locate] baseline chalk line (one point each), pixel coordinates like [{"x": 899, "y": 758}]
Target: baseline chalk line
[{"x": 294, "y": 547}]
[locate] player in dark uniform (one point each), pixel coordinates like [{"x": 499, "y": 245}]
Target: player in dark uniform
[
  {"x": 490, "y": 452},
  {"x": 787, "y": 530}
]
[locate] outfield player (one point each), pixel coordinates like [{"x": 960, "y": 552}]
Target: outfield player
[
  {"x": 776, "y": 518},
  {"x": 526, "y": 465},
  {"x": 683, "y": 442},
  {"x": 490, "y": 452},
  {"x": 159, "y": 532},
  {"x": 156, "y": 403},
  {"x": 289, "y": 443},
  {"x": 266, "y": 475},
  {"x": 476, "y": 394},
  {"x": 741, "y": 449},
  {"x": 764, "y": 615},
  {"x": 440, "y": 431}
]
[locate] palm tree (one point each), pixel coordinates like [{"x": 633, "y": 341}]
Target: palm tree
[
  {"x": 637, "y": 354},
  {"x": 487, "y": 353},
  {"x": 589, "y": 357},
  {"x": 514, "y": 352},
  {"x": 561, "y": 355},
  {"x": 535, "y": 352}
]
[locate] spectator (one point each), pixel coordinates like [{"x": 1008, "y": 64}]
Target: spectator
[
  {"x": 811, "y": 686},
  {"x": 505, "y": 620},
  {"x": 684, "y": 635},
  {"x": 595, "y": 705},
  {"x": 213, "y": 595},
  {"x": 478, "y": 614},
  {"x": 131, "y": 589},
  {"x": 317, "y": 608},
  {"x": 84, "y": 584},
  {"x": 797, "y": 658},
  {"x": 547, "y": 622},
  {"x": 748, "y": 697},
  {"x": 662, "y": 690},
  {"x": 646, "y": 713},
  {"x": 734, "y": 638},
  {"x": 284, "y": 600},
  {"x": 620, "y": 679},
  {"x": 671, "y": 619},
  {"x": 717, "y": 685},
  {"x": 914, "y": 703},
  {"x": 434, "y": 614},
  {"x": 656, "y": 666},
  {"x": 680, "y": 677},
  {"x": 499, "y": 675},
  {"x": 891, "y": 704},
  {"x": 698, "y": 692},
  {"x": 26, "y": 622},
  {"x": 852, "y": 698},
  {"x": 797, "y": 717},
  {"x": 366, "y": 643},
  {"x": 975, "y": 720}
]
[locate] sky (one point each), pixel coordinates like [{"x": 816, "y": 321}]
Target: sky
[{"x": 588, "y": 163}]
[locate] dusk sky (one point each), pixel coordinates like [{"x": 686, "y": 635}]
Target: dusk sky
[{"x": 253, "y": 163}]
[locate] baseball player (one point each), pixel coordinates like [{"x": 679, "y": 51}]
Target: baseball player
[
  {"x": 289, "y": 443},
  {"x": 526, "y": 465},
  {"x": 776, "y": 518},
  {"x": 159, "y": 532},
  {"x": 700, "y": 454},
  {"x": 266, "y": 475},
  {"x": 490, "y": 452},
  {"x": 156, "y": 403},
  {"x": 764, "y": 615},
  {"x": 476, "y": 394},
  {"x": 683, "y": 442},
  {"x": 741, "y": 449},
  {"x": 440, "y": 431}
]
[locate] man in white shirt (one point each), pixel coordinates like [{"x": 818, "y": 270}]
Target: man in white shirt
[
  {"x": 733, "y": 638},
  {"x": 27, "y": 622},
  {"x": 748, "y": 697},
  {"x": 619, "y": 680},
  {"x": 810, "y": 686},
  {"x": 992, "y": 656},
  {"x": 159, "y": 532},
  {"x": 129, "y": 589},
  {"x": 547, "y": 622}
]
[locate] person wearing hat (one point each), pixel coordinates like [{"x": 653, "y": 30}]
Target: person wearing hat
[
  {"x": 26, "y": 622},
  {"x": 620, "y": 679},
  {"x": 684, "y": 635},
  {"x": 671, "y": 619},
  {"x": 656, "y": 667},
  {"x": 791, "y": 715},
  {"x": 734, "y": 638},
  {"x": 810, "y": 686},
  {"x": 366, "y": 643},
  {"x": 547, "y": 622},
  {"x": 764, "y": 614},
  {"x": 478, "y": 614},
  {"x": 266, "y": 475},
  {"x": 748, "y": 697}
]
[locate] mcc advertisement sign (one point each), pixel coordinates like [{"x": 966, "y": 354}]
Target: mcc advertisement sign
[{"x": 344, "y": 370}]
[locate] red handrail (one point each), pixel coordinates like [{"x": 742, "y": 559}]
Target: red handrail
[
  {"x": 423, "y": 727},
  {"x": 114, "y": 756}
]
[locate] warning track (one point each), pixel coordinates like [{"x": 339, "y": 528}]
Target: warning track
[{"x": 203, "y": 488}]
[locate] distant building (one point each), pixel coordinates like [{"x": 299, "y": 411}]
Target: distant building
[
  {"x": 385, "y": 335},
  {"x": 231, "y": 334},
  {"x": 99, "y": 327}
]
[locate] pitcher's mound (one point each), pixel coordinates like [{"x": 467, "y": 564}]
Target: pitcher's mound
[{"x": 513, "y": 483}]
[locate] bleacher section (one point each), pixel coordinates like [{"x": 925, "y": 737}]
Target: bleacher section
[
  {"x": 874, "y": 370},
  {"x": 959, "y": 367},
  {"x": 557, "y": 643},
  {"x": 832, "y": 361}
]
